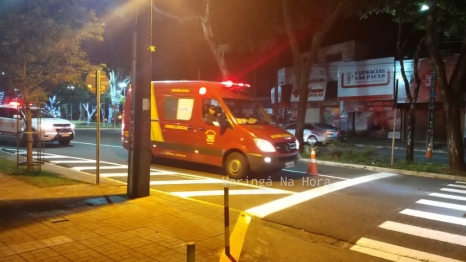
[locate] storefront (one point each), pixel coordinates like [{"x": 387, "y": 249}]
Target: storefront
[{"x": 366, "y": 92}]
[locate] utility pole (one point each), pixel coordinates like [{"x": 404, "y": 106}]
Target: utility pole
[{"x": 139, "y": 154}]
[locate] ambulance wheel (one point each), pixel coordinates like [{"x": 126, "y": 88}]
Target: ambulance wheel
[{"x": 236, "y": 165}]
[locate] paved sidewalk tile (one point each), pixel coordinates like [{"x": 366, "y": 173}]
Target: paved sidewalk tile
[{"x": 70, "y": 223}]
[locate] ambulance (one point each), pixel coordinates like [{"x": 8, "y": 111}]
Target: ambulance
[{"x": 214, "y": 123}]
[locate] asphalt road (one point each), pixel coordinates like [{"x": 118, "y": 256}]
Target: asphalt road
[{"x": 385, "y": 215}]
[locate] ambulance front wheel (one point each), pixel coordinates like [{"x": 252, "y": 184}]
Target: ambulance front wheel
[{"x": 236, "y": 165}]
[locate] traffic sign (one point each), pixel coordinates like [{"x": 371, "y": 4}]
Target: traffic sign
[{"x": 91, "y": 82}]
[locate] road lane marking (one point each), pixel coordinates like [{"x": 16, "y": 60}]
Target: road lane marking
[
  {"x": 265, "y": 191},
  {"x": 395, "y": 253},
  {"x": 289, "y": 201},
  {"x": 237, "y": 238},
  {"x": 80, "y": 168},
  {"x": 458, "y": 186},
  {"x": 448, "y": 196},
  {"x": 425, "y": 233},
  {"x": 434, "y": 216},
  {"x": 454, "y": 190},
  {"x": 301, "y": 172},
  {"x": 441, "y": 204},
  {"x": 84, "y": 143}
]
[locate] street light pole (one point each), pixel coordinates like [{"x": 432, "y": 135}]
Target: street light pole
[{"x": 140, "y": 154}]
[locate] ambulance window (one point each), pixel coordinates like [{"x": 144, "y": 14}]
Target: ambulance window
[
  {"x": 211, "y": 109},
  {"x": 178, "y": 108}
]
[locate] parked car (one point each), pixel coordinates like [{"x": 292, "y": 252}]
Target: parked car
[
  {"x": 316, "y": 132},
  {"x": 13, "y": 122}
]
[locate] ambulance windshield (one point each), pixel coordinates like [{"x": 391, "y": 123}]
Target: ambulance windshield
[{"x": 248, "y": 112}]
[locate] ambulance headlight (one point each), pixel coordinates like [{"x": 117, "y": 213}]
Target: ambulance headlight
[
  {"x": 264, "y": 145},
  {"x": 72, "y": 125}
]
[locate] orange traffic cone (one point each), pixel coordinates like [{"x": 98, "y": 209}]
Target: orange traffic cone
[
  {"x": 312, "y": 169},
  {"x": 429, "y": 151}
]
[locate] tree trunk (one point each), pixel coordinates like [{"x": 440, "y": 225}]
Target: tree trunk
[
  {"x": 81, "y": 113},
  {"x": 411, "y": 129},
  {"x": 216, "y": 51},
  {"x": 454, "y": 136},
  {"x": 29, "y": 140}
]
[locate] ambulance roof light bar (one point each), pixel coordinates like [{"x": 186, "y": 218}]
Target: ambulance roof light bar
[{"x": 230, "y": 84}]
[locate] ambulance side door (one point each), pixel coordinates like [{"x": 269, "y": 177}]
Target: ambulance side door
[{"x": 177, "y": 128}]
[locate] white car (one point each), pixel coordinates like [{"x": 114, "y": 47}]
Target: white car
[
  {"x": 316, "y": 133},
  {"x": 12, "y": 122}
]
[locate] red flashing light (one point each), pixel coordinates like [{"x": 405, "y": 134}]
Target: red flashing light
[{"x": 202, "y": 91}]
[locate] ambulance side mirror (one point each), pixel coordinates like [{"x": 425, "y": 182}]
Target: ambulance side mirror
[{"x": 222, "y": 119}]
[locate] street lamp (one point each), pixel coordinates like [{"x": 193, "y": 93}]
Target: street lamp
[
  {"x": 71, "y": 104},
  {"x": 123, "y": 86}
]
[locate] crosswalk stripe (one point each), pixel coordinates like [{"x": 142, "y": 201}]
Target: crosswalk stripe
[
  {"x": 461, "y": 182},
  {"x": 187, "y": 182},
  {"x": 395, "y": 253},
  {"x": 434, "y": 216},
  {"x": 454, "y": 190},
  {"x": 298, "y": 198},
  {"x": 441, "y": 204},
  {"x": 156, "y": 173},
  {"x": 458, "y": 186},
  {"x": 80, "y": 168},
  {"x": 54, "y": 156},
  {"x": 73, "y": 161},
  {"x": 448, "y": 196},
  {"x": 424, "y": 232},
  {"x": 269, "y": 191}
]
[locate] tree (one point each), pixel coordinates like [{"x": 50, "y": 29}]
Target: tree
[
  {"x": 227, "y": 26},
  {"x": 41, "y": 44},
  {"x": 448, "y": 17},
  {"x": 115, "y": 93},
  {"x": 322, "y": 20},
  {"x": 409, "y": 13}
]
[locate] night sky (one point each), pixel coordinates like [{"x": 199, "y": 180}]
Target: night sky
[{"x": 182, "y": 52}]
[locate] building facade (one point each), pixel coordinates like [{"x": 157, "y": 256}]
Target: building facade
[{"x": 358, "y": 95}]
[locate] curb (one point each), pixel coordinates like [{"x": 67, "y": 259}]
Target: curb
[
  {"x": 402, "y": 148},
  {"x": 391, "y": 170}
]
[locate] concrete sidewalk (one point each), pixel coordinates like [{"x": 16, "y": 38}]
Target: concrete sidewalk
[{"x": 88, "y": 222}]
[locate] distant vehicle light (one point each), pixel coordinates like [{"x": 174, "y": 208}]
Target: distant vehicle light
[{"x": 202, "y": 91}]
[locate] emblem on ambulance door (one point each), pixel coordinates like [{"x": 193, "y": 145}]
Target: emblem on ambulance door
[{"x": 210, "y": 136}]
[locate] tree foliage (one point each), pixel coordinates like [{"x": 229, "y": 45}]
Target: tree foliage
[{"x": 40, "y": 44}]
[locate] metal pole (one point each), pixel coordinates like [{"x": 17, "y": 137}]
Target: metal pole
[
  {"x": 395, "y": 99},
  {"x": 97, "y": 157},
  {"x": 227, "y": 220},
  {"x": 191, "y": 252},
  {"x": 430, "y": 130}
]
